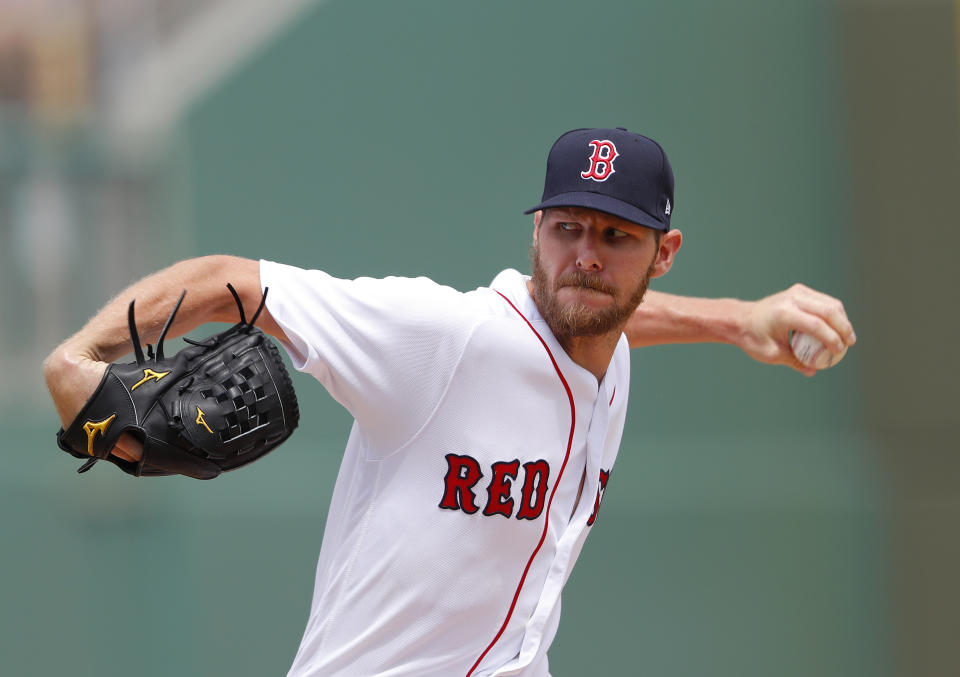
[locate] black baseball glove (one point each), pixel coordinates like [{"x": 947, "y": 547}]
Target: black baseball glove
[{"x": 216, "y": 405}]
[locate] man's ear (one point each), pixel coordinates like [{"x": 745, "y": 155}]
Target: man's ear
[
  {"x": 537, "y": 218},
  {"x": 669, "y": 246}
]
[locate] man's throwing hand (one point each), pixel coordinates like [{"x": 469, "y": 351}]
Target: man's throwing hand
[{"x": 770, "y": 320}]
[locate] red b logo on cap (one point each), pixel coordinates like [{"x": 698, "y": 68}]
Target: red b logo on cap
[{"x": 601, "y": 162}]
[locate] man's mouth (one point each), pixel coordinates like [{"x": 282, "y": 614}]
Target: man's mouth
[
  {"x": 586, "y": 283},
  {"x": 581, "y": 287}
]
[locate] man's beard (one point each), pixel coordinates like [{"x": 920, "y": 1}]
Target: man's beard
[{"x": 577, "y": 320}]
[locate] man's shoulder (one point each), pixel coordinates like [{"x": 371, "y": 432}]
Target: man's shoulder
[
  {"x": 408, "y": 298},
  {"x": 511, "y": 285},
  {"x": 509, "y": 278}
]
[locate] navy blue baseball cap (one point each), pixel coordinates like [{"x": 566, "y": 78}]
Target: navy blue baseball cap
[{"x": 612, "y": 170}]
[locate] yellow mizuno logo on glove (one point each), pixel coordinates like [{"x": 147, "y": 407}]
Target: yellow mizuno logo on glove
[
  {"x": 202, "y": 421},
  {"x": 147, "y": 375},
  {"x": 94, "y": 427}
]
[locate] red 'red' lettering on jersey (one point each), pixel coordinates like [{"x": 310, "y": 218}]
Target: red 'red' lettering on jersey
[
  {"x": 604, "y": 476},
  {"x": 498, "y": 493},
  {"x": 534, "y": 490},
  {"x": 601, "y": 162},
  {"x": 463, "y": 472}
]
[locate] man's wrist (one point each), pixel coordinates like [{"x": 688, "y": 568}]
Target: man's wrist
[{"x": 733, "y": 324}]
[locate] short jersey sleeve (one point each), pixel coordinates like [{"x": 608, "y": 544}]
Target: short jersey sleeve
[{"x": 385, "y": 349}]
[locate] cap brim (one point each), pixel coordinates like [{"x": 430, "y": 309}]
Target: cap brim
[{"x": 603, "y": 203}]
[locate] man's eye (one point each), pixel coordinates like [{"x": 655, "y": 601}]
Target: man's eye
[
  {"x": 567, "y": 226},
  {"x": 614, "y": 233}
]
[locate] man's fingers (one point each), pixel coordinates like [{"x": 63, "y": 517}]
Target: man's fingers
[
  {"x": 832, "y": 313},
  {"x": 129, "y": 448}
]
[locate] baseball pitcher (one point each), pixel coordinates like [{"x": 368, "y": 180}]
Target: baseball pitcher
[{"x": 486, "y": 423}]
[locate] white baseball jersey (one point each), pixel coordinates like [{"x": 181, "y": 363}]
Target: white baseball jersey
[{"x": 473, "y": 472}]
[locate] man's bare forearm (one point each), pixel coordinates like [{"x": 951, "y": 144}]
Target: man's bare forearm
[
  {"x": 760, "y": 328},
  {"x": 667, "y": 318},
  {"x": 106, "y": 336},
  {"x": 73, "y": 370}
]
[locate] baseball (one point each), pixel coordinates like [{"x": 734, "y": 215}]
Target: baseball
[{"x": 812, "y": 352}]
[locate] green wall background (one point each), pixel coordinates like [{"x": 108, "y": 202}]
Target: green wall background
[{"x": 746, "y": 528}]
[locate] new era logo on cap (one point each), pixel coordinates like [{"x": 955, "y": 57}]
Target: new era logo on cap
[{"x": 611, "y": 170}]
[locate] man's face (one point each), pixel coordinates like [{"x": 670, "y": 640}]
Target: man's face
[{"x": 590, "y": 270}]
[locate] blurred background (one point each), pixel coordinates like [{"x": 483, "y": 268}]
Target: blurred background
[{"x": 757, "y": 523}]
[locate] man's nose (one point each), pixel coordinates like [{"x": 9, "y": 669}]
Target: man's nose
[{"x": 588, "y": 258}]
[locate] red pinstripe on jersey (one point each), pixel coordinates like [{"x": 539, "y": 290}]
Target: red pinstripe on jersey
[{"x": 546, "y": 521}]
